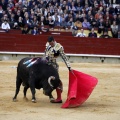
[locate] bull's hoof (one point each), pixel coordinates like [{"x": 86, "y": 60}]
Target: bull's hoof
[
  {"x": 14, "y": 100},
  {"x": 56, "y": 101},
  {"x": 26, "y": 99},
  {"x": 33, "y": 100}
]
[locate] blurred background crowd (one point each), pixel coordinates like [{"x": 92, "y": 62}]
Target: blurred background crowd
[{"x": 32, "y": 15}]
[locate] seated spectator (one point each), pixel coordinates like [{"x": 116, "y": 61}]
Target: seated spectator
[
  {"x": 72, "y": 7},
  {"x": 115, "y": 18},
  {"x": 5, "y": 26},
  {"x": 70, "y": 23},
  {"x": 81, "y": 34},
  {"x": 92, "y": 21},
  {"x": 117, "y": 1},
  {"x": 28, "y": 22},
  {"x": 34, "y": 21},
  {"x": 92, "y": 34},
  {"x": 55, "y": 16},
  {"x": 105, "y": 35},
  {"x": 107, "y": 16},
  {"x": 18, "y": 14},
  {"x": 119, "y": 27},
  {"x": 78, "y": 23},
  {"x": 119, "y": 34},
  {"x": 10, "y": 4},
  {"x": 57, "y": 23},
  {"x": 15, "y": 26},
  {"x": 86, "y": 24},
  {"x": 119, "y": 19},
  {"x": 35, "y": 31},
  {"x": 89, "y": 14},
  {"x": 43, "y": 29},
  {"x": 101, "y": 25},
  {"x": 111, "y": 9},
  {"x": 4, "y": 17},
  {"x": 1, "y": 12},
  {"x": 43, "y": 21},
  {"x": 51, "y": 22},
  {"x": 20, "y": 22},
  {"x": 12, "y": 20},
  {"x": 74, "y": 30},
  {"x": 63, "y": 24},
  {"x": 119, "y": 30},
  {"x": 25, "y": 30},
  {"x": 107, "y": 24},
  {"x": 114, "y": 30},
  {"x": 60, "y": 11},
  {"x": 97, "y": 15},
  {"x": 79, "y": 7}
]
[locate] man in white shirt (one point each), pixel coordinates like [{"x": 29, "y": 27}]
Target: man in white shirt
[
  {"x": 5, "y": 26},
  {"x": 81, "y": 34}
]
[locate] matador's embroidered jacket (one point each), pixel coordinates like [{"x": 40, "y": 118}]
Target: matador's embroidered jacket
[{"x": 53, "y": 52}]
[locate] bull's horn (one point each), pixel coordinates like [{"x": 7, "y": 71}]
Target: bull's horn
[{"x": 49, "y": 80}]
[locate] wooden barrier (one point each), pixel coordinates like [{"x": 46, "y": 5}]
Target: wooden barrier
[
  {"x": 55, "y": 31},
  {"x": 74, "y": 45}
]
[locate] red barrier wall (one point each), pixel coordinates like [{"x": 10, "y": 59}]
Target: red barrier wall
[{"x": 75, "y": 45}]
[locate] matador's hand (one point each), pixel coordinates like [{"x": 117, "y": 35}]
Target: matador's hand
[{"x": 69, "y": 68}]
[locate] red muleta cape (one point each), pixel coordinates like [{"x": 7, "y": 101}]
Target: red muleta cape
[{"x": 80, "y": 87}]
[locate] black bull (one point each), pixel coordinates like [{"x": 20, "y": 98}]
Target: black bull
[{"x": 39, "y": 75}]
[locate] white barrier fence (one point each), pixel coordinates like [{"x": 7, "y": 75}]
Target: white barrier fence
[{"x": 82, "y": 58}]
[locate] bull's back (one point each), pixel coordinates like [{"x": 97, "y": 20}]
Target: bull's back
[
  {"x": 44, "y": 70},
  {"x": 22, "y": 71},
  {"x": 39, "y": 71}
]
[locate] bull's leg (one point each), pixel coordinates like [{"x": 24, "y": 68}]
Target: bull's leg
[
  {"x": 18, "y": 84},
  {"x": 32, "y": 88},
  {"x": 33, "y": 95},
  {"x": 51, "y": 98},
  {"x": 25, "y": 90}
]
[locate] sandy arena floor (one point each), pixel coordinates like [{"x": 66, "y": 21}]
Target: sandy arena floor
[{"x": 103, "y": 104}]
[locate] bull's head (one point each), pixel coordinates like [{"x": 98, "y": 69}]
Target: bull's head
[{"x": 53, "y": 83}]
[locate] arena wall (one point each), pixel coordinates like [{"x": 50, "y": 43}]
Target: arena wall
[{"x": 16, "y": 46}]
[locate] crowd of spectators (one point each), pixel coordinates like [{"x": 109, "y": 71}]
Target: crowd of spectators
[{"x": 33, "y": 15}]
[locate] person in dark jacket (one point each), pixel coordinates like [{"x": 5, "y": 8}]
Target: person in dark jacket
[
  {"x": 25, "y": 30},
  {"x": 92, "y": 34},
  {"x": 105, "y": 35},
  {"x": 35, "y": 31}
]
